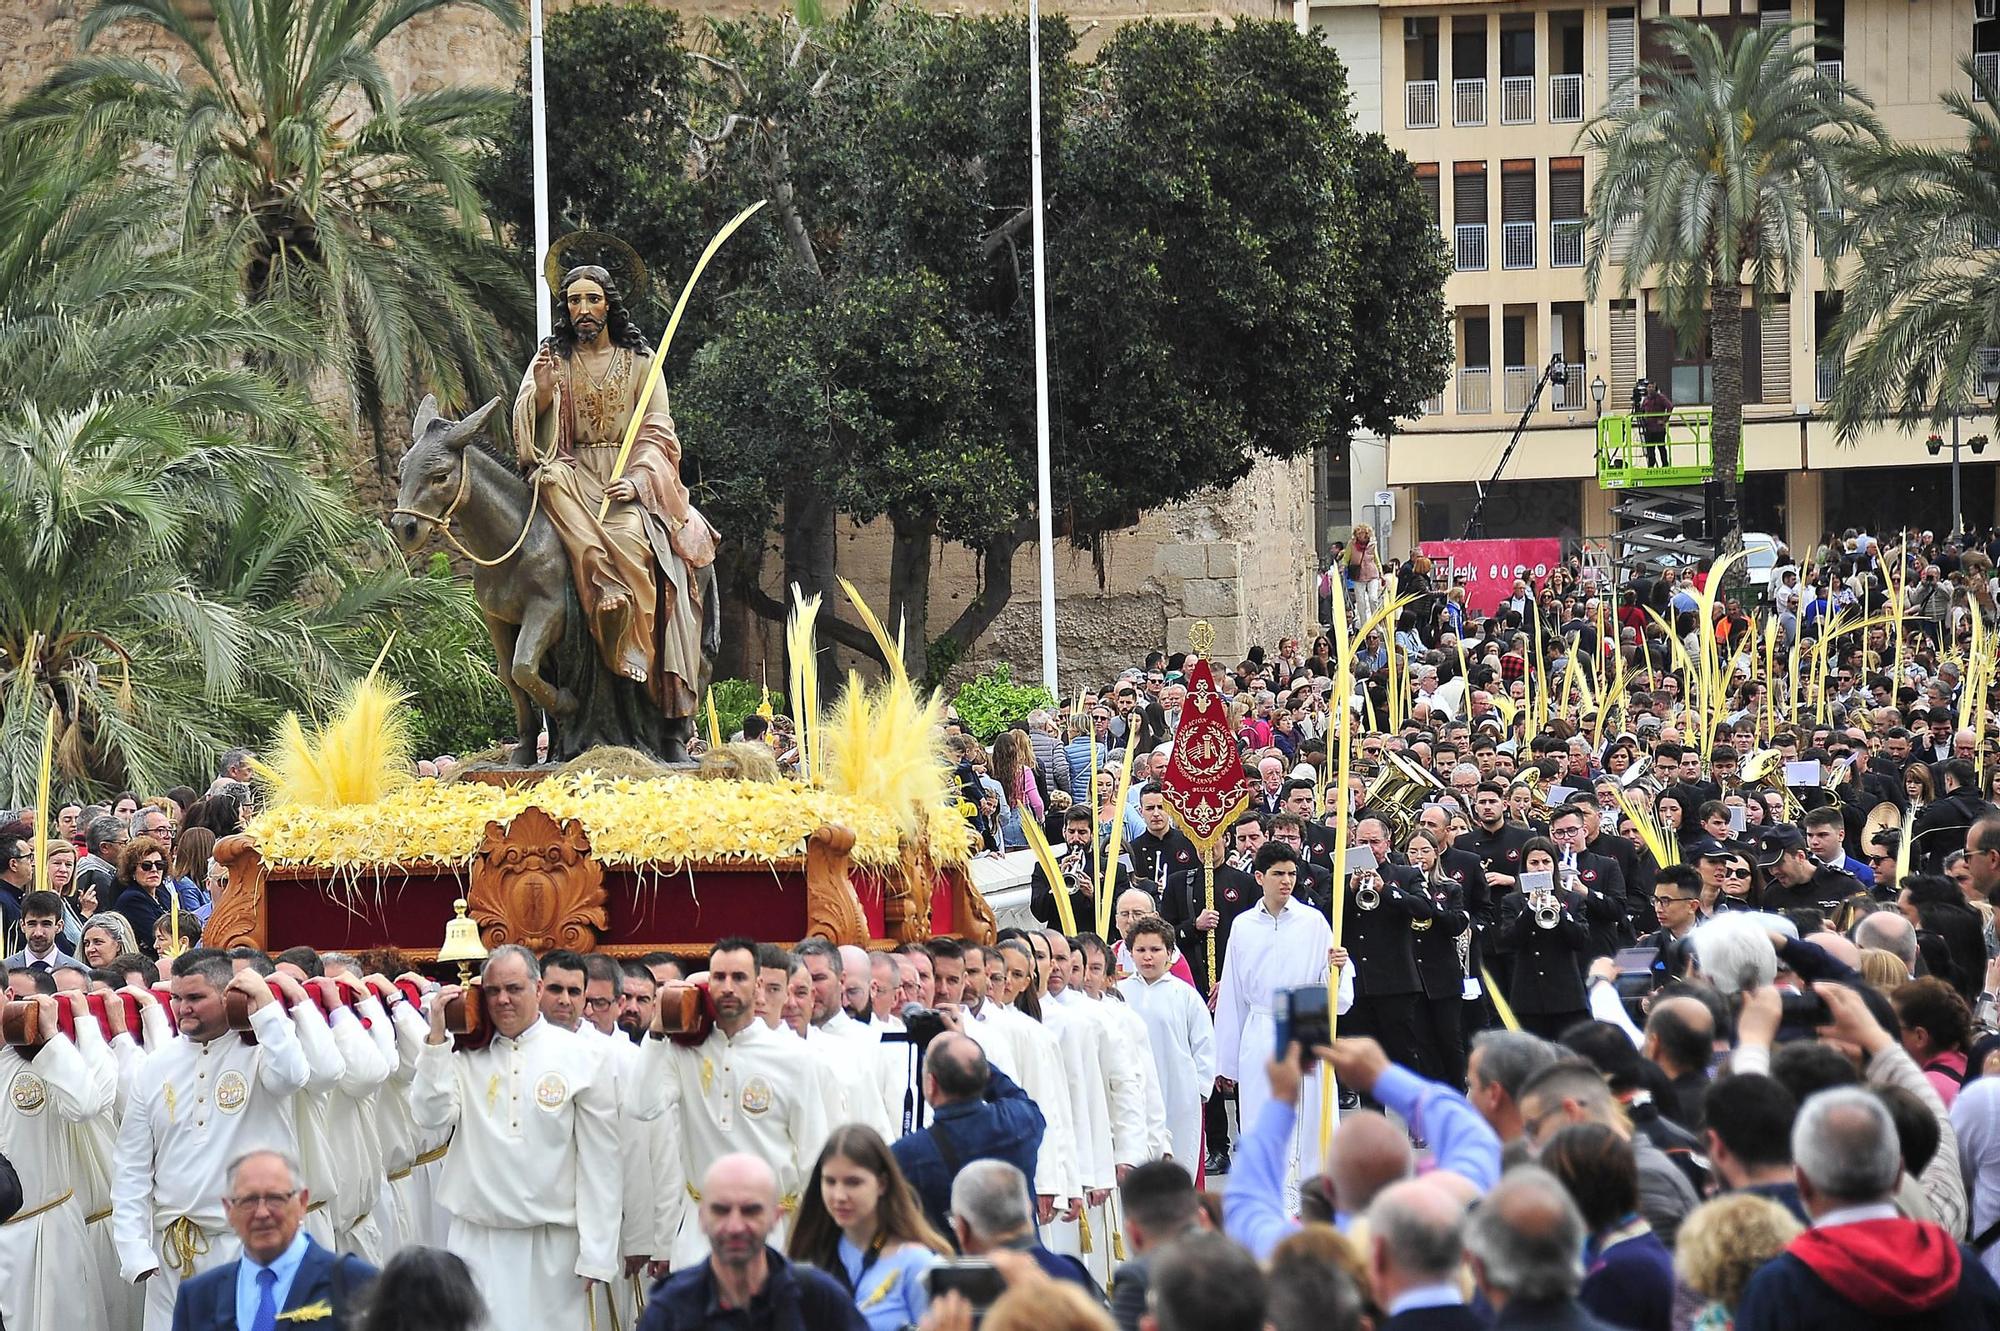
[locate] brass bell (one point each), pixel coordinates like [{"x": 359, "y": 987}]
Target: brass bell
[{"x": 461, "y": 943}]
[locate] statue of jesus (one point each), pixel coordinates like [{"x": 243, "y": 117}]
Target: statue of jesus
[{"x": 634, "y": 569}]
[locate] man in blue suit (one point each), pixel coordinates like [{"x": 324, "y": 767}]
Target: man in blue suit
[{"x": 282, "y": 1271}]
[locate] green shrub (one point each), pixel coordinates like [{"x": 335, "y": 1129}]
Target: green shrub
[
  {"x": 734, "y": 700},
  {"x": 991, "y": 702}
]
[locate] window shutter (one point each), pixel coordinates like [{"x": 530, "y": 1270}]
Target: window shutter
[
  {"x": 1624, "y": 352},
  {"x": 1468, "y": 193},
  {"x": 1517, "y": 191},
  {"x": 1621, "y": 55},
  {"x": 1565, "y": 190},
  {"x": 1776, "y": 349}
]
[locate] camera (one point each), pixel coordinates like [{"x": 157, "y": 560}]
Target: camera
[
  {"x": 921, "y": 1024},
  {"x": 978, "y": 1281},
  {"x": 1301, "y": 1015},
  {"x": 1806, "y": 1011}
]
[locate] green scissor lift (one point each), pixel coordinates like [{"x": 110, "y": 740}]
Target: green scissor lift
[{"x": 1658, "y": 507}]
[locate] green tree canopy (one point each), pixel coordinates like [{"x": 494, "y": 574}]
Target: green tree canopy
[{"x": 1217, "y": 234}]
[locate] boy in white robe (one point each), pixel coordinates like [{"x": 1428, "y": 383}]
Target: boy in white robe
[{"x": 1180, "y": 1030}]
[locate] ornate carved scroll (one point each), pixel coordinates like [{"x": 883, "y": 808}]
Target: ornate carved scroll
[
  {"x": 975, "y": 918},
  {"x": 239, "y": 918},
  {"x": 534, "y": 883},
  {"x": 833, "y": 911}
]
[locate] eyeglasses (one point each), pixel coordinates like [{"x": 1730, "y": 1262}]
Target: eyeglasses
[
  {"x": 599, "y": 1004},
  {"x": 262, "y": 1201},
  {"x": 1735, "y": 873},
  {"x": 1673, "y": 901},
  {"x": 152, "y": 866}
]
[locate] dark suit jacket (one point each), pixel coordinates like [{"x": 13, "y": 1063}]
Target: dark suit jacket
[
  {"x": 1380, "y": 940},
  {"x": 1004, "y": 1125},
  {"x": 208, "y": 1302},
  {"x": 1456, "y": 1317},
  {"x": 1557, "y": 1315}
]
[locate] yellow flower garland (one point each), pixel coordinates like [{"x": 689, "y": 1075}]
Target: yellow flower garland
[{"x": 665, "y": 821}]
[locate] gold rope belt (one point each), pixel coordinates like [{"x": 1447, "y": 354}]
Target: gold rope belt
[
  {"x": 398, "y": 1175},
  {"x": 316, "y": 1206},
  {"x": 19, "y": 1216},
  {"x": 186, "y": 1242},
  {"x": 105, "y": 1214},
  {"x": 431, "y": 1157}
]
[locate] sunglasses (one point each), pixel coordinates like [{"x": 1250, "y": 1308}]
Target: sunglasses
[
  {"x": 152, "y": 864},
  {"x": 1735, "y": 873}
]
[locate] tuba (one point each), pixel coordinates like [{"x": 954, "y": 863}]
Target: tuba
[{"x": 1398, "y": 795}]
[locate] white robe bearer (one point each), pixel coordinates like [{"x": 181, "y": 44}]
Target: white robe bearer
[
  {"x": 1267, "y": 954},
  {"x": 531, "y": 1183},
  {"x": 1182, "y": 1037},
  {"x": 752, "y": 1092},
  {"x": 194, "y": 1108},
  {"x": 1135, "y": 1050},
  {"x": 368, "y": 1053},
  {"x": 43, "y": 1252}
]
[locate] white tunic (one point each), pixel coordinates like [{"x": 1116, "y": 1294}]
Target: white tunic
[
  {"x": 1135, "y": 1042},
  {"x": 536, "y": 1140},
  {"x": 1267, "y": 954},
  {"x": 755, "y": 1092},
  {"x": 195, "y": 1107},
  {"x": 42, "y": 1249},
  {"x": 1182, "y": 1037},
  {"x": 1041, "y": 1075}
]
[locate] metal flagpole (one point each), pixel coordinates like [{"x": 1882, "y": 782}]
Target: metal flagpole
[
  {"x": 539, "y": 132},
  {"x": 1045, "y": 500}
]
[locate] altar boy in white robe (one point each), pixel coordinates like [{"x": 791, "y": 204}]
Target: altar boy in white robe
[
  {"x": 531, "y": 1183},
  {"x": 1280, "y": 944},
  {"x": 1181, "y": 1030}
]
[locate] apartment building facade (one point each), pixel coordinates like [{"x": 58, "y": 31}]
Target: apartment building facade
[{"x": 1487, "y": 99}]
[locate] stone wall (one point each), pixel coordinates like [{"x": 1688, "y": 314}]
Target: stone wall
[{"x": 1242, "y": 558}]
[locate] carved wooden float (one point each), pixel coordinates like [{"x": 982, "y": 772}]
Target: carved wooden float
[{"x": 534, "y": 882}]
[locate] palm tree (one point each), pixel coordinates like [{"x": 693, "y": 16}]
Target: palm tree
[
  {"x": 1717, "y": 166},
  {"x": 321, "y": 191},
  {"x": 1922, "y": 302},
  {"x": 172, "y": 571}
]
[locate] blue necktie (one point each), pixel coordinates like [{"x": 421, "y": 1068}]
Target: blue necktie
[{"x": 267, "y": 1301}]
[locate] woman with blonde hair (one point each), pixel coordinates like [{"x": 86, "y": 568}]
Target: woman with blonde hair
[
  {"x": 861, "y": 1224},
  {"x": 1720, "y": 1246},
  {"x": 1883, "y": 969}
]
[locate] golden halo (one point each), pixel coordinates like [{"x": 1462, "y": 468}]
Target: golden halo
[{"x": 608, "y": 252}]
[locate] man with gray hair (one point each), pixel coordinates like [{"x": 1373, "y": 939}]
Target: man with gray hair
[
  {"x": 532, "y": 1181},
  {"x": 1416, "y": 1237},
  {"x": 282, "y": 1271},
  {"x": 103, "y": 838},
  {"x": 1734, "y": 949},
  {"x": 1862, "y": 1265},
  {"x": 1524, "y": 1244},
  {"x": 992, "y": 1209},
  {"x": 1499, "y": 1066}
]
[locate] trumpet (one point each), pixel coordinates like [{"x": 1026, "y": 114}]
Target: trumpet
[
  {"x": 1548, "y": 911},
  {"x": 1367, "y": 896}
]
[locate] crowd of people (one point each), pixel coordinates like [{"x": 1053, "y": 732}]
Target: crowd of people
[{"x": 1661, "y": 991}]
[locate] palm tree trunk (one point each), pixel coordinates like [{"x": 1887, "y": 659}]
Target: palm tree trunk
[{"x": 1725, "y": 338}]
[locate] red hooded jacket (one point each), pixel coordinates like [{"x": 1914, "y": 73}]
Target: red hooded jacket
[{"x": 1891, "y": 1268}]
